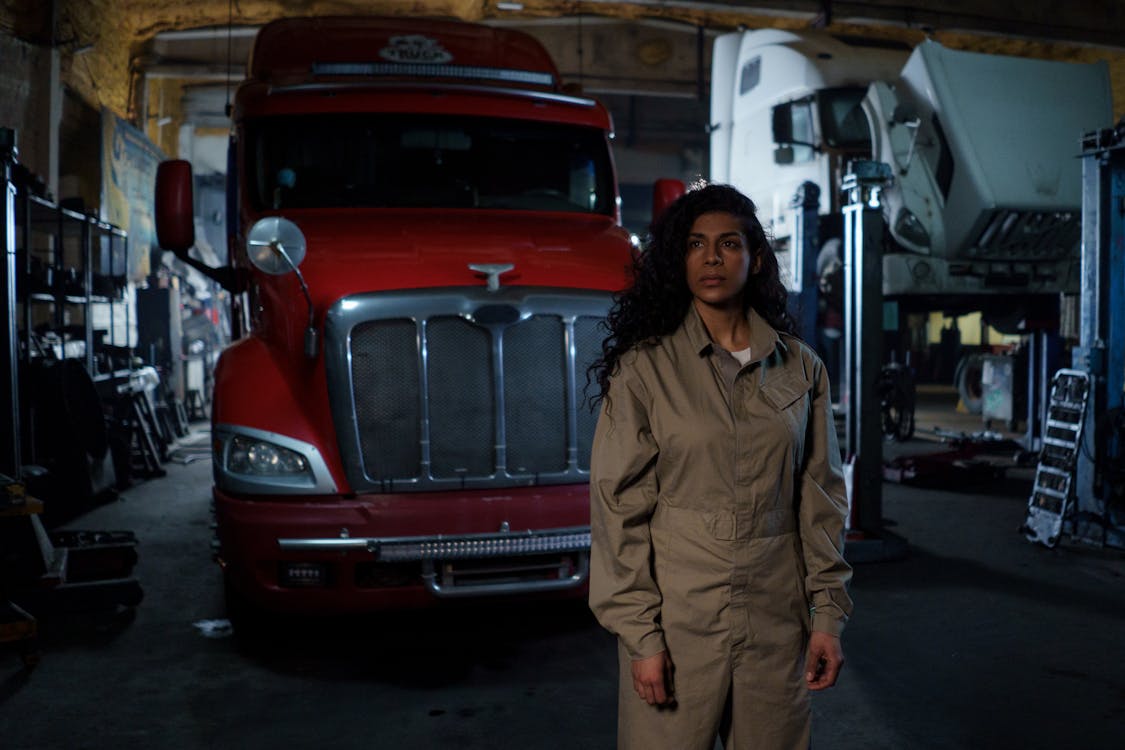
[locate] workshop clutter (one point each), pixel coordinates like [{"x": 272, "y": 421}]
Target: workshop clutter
[
  {"x": 97, "y": 366},
  {"x": 67, "y": 572},
  {"x": 86, "y": 414}
]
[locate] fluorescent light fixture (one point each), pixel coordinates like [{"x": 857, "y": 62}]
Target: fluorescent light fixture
[{"x": 509, "y": 6}]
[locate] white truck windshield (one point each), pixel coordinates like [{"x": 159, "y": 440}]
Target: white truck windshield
[{"x": 842, "y": 119}]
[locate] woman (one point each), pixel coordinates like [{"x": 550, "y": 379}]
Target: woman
[{"x": 717, "y": 500}]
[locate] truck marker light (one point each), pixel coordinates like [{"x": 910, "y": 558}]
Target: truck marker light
[
  {"x": 430, "y": 70},
  {"x": 303, "y": 575}
]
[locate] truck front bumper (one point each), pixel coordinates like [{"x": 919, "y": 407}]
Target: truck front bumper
[{"x": 341, "y": 554}]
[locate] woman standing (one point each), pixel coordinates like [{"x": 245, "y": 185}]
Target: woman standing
[{"x": 717, "y": 499}]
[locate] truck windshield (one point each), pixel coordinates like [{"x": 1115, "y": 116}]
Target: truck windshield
[
  {"x": 842, "y": 119},
  {"x": 426, "y": 161}
]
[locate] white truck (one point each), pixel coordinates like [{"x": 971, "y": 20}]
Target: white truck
[{"x": 984, "y": 208}]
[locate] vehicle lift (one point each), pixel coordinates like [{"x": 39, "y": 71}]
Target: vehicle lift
[
  {"x": 1080, "y": 482},
  {"x": 867, "y": 539}
]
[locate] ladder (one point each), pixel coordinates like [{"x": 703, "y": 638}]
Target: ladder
[{"x": 1052, "y": 492}]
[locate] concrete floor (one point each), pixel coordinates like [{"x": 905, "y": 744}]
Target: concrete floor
[{"x": 976, "y": 640}]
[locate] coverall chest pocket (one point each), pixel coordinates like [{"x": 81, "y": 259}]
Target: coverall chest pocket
[{"x": 788, "y": 395}]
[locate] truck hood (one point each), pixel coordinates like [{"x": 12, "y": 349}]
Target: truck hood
[{"x": 353, "y": 251}]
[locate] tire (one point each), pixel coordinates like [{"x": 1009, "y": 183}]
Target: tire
[{"x": 249, "y": 622}]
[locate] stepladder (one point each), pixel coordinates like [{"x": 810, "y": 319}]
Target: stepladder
[{"x": 1052, "y": 495}]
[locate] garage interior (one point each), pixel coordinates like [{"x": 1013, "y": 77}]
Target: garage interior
[{"x": 988, "y": 528}]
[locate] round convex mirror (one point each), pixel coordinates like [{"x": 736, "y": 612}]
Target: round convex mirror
[{"x": 271, "y": 240}]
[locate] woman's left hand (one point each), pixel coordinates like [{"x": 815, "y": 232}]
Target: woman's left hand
[
  {"x": 652, "y": 679},
  {"x": 823, "y": 661}
]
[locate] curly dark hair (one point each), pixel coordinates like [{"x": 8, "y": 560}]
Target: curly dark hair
[{"x": 656, "y": 303}]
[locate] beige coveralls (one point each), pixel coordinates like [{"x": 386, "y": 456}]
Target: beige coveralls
[{"x": 717, "y": 514}]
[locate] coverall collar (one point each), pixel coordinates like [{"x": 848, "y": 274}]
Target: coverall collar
[{"x": 763, "y": 338}]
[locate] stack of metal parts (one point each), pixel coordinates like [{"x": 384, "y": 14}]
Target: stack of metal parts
[{"x": 64, "y": 572}]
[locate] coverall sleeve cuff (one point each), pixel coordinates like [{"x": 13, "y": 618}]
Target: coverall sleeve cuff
[
  {"x": 649, "y": 645},
  {"x": 825, "y": 622}
]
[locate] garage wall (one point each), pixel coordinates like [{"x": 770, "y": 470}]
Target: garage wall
[
  {"x": 24, "y": 104},
  {"x": 80, "y": 167}
]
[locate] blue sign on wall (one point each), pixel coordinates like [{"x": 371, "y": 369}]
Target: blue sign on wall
[{"x": 129, "y": 161}]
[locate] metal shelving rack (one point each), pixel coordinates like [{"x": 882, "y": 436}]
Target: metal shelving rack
[
  {"x": 61, "y": 269},
  {"x": 58, "y": 251}
]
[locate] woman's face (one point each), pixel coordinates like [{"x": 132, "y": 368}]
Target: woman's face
[{"x": 717, "y": 259}]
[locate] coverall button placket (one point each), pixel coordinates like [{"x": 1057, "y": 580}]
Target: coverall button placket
[
  {"x": 743, "y": 392},
  {"x": 740, "y": 383},
  {"x": 725, "y": 369}
]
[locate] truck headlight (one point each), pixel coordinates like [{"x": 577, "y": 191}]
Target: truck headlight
[
  {"x": 263, "y": 458},
  {"x": 249, "y": 461},
  {"x": 910, "y": 228}
]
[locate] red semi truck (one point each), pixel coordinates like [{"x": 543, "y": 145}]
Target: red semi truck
[{"x": 425, "y": 237}]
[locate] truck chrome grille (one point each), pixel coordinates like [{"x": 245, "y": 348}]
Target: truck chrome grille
[
  {"x": 1028, "y": 235},
  {"x": 463, "y": 388},
  {"x": 460, "y": 397},
  {"x": 382, "y": 361},
  {"x": 588, "y": 335},
  {"x": 535, "y": 396}
]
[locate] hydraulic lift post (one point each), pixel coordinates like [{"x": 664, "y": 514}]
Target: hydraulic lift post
[
  {"x": 864, "y": 226},
  {"x": 1101, "y": 350},
  {"x": 806, "y": 244}
]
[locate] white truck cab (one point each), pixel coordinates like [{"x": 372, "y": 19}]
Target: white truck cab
[
  {"x": 986, "y": 191},
  {"x": 816, "y": 81}
]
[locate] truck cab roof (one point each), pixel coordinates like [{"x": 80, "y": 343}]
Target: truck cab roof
[
  {"x": 303, "y": 50},
  {"x": 817, "y": 59},
  {"x": 381, "y": 64}
]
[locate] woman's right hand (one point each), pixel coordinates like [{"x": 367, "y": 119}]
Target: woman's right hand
[{"x": 652, "y": 679}]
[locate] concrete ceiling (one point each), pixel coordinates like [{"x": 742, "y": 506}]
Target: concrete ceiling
[
  {"x": 157, "y": 50},
  {"x": 136, "y": 56},
  {"x": 1100, "y": 22}
]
